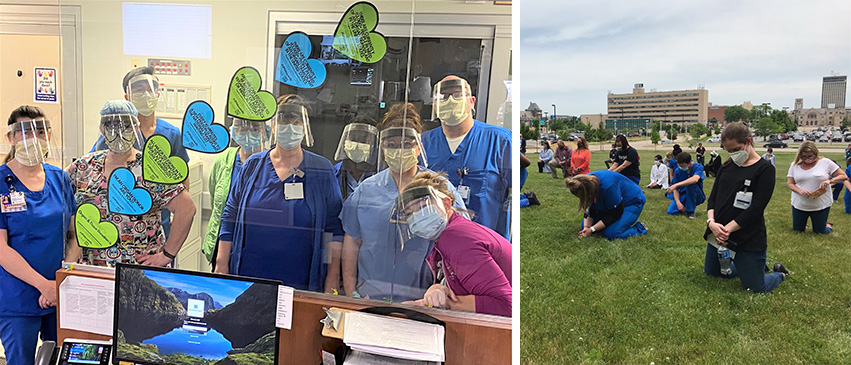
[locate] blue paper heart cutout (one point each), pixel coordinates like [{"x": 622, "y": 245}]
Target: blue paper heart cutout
[
  {"x": 124, "y": 197},
  {"x": 295, "y": 68},
  {"x": 200, "y": 133}
]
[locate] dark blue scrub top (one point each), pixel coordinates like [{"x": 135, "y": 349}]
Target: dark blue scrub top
[
  {"x": 278, "y": 232},
  {"x": 37, "y": 234},
  {"x": 616, "y": 189}
]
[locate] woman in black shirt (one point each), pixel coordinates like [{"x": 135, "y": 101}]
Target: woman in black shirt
[
  {"x": 626, "y": 161},
  {"x": 736, "y": 207}
]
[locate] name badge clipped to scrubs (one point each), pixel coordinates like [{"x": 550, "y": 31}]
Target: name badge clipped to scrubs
[
  {"x": 463, "y": 190},
  {"x": 293, "y": 191},
  {"x": 15, "y": 201},
  {"x": 744, "y": 198}
]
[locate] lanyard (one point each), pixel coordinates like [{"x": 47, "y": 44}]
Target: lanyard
[{"x": 10, "y": 180}]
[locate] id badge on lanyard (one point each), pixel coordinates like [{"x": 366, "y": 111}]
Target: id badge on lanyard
[
  {"x": 463, "y": 190},
  {"x": 744, "y": 197},
  {"x": 294, "y": 190},
  {"x": 15, "y": 201}
]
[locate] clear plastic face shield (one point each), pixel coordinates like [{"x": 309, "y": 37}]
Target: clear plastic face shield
[
  {"x": 33, "y": 142},
  {"x": 121, "y": 132},
  {"x": 452, "y": 101},
  {"x": 250, "y": 135},
  {"x": 291, "y": 126},
  {"x": 424, "y": 210},
  {"x": 144, "y": 92},
  {"x": 358, "y": 144},
  {"x": 401, "y": 150}
]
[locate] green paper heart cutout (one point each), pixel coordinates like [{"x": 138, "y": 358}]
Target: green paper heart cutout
[
  {"x": 158, "y": 166},
  {"x": 246, "y": 100},
  {"x": 354, "y": 36},
  {"x": 91, "y": 232}
]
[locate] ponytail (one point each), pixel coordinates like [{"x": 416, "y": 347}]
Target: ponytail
[{"x": 585, "y": 187}]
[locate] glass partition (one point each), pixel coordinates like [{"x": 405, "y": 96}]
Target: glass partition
[{"x": 273, "y": 140}]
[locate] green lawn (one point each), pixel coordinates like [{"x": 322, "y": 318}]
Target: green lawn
[{"x": 646, "y": 299}]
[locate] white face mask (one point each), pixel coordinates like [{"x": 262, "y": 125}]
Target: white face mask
[
  {"x": 739, "y": 157},
  {"x": 453, "y": 111},
  {"x": 400, "y": 159},
  {"x": 145, "y": 103},
  {"x": 356, "y": 151},
  {"x": 657, "y": 163},
  {"x": 31, "y": 152},
  {"x": 289, "y": 136}
]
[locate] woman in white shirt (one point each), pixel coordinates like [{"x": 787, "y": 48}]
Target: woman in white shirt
[
  {"x": 544, "y": 158},
  {"x": 810, "y": 178},
  {"x": 658, "y": 174}
]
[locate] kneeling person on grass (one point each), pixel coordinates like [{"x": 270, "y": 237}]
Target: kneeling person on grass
[
  {"x": 686, "y": 186},
  {"x": 612, "y": 204}
]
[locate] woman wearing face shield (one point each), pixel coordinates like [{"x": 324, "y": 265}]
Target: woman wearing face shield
[
  {"x": 250, "y": 137},
  {"x": 37, "y": 205},
  {"x": 357, "y": 154},
  {"x": 280, "y": 209},
  {"x": 378, "y": 262},
  {"x": 470, "y": 262},
  {"x": 140, "y": 237}
]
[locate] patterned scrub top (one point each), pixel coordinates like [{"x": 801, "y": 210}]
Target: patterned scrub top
[{"x": 137, "y": 234}]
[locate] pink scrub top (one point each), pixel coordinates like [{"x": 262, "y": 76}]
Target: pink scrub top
[{"x": 476, "y": 261}]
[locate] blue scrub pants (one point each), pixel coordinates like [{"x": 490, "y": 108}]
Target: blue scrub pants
[
  {"x": 819, "y": 219},
  {"x": 690, "y": 196},
  {"x": 836, "y": 190},
  {"x": 626, "y": 226},
  {"x": 747, "y": 266},
  {"x": 847, "y": 201},
  {"x": 19, "y": 336},
  {"x": 524, "y": 202}
]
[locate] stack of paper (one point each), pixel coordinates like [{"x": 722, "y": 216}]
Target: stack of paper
[
  {"x": 363, "y": 358},
  {"x": 394, "y": 337}
]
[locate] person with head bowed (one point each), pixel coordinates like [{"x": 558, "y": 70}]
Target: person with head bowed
[
  {"x": 281, "y": 208},
  {"x": 561, "y": 160},
  {"x": 611, "y": 204},
  {"x": 140, "y": 236},
  {"x": 35, "y": 218},
  {"x": 142, "y": 88},
  {"x": 580, "y": 160},
  {"x": 475, "y": 155},
  {"x": 736, "y": 215},
  {"x": 686, "y": 187},
  {"x": 379, "y": 262},
  {"x": 544, "y": 158},
  {"x": 658, "y": 174},
  {"x": 627, "y": 160},
  {"x": 357, "y": 154},
  {"x": 250, "y": 137},
  {"x": 810, "y": 178},
  {"x": 769, "y": 156},
  {"x": 672, "y": 161},
  {"x": 470, "y": 262}
]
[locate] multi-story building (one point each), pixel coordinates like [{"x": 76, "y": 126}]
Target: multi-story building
[
  {"x": 531, "y": 116},
  {"x": 684, "y": 107},
  {"x": 833, "y": 92},
  {"x": 818, "y": 117}
]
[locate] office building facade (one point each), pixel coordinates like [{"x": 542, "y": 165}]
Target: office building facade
[
  {"x": 833, "y": 92},
  {"x": 684, "y": 107}
]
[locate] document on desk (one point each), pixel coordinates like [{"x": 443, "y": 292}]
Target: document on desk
[
  {"x": 394, "y": 337},
  {"x": 86, "y": 304}
]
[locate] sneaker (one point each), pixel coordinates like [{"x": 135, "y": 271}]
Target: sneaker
[
  {"x": 691, "y": 215},
  {"x": 533, "y": 199},
  {"x": 641, "y": 227},
  {"x": 778, "y": 267}
]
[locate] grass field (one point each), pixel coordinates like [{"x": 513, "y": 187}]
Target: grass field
[{"x": 646, "y": 299}]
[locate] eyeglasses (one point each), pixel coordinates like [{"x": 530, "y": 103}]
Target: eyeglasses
[
  {"x": 395, "y": 144},
  {"x": 445, "y": 95}
]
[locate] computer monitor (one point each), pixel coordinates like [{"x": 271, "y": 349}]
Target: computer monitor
[{"x": 168, "y": 316}]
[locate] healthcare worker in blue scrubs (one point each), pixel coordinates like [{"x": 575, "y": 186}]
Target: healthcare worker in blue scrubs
[
  {"x": 686, "y": 189},
  {"x": 357, "y": 154},
  {"x": 283, "y": 205},
  {"x": 476, "y": 156},
  {"x": 37, "y": 204},
  {"x": 142, "y": 89},
  {"x": 250, "y": 137},
  {"x": 380, "y": 259},
  {"x": 612, "y": 204}
]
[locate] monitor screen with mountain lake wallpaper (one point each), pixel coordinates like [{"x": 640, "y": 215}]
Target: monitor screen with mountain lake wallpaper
[{"x": 167, "y": 316}]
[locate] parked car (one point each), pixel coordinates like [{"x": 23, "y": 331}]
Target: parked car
[
  {"x": 715, "y": 139},
  {"x": 776, "y": 144},
  {"x": 812, "y": 137},
  {"x": 837, "y": 137},
  {"x": 798, "y": 138},
  {"x": 848, "y": 137},
  {"x": 824, "y": 138}
]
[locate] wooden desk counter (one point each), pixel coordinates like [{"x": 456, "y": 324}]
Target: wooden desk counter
[{"x": 470, "y": 338}]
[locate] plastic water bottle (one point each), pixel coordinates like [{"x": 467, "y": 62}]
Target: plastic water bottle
[{"x": 724, "y": 260}]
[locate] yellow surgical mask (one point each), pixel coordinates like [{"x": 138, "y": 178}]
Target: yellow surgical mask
[
  {"x": 400, "y": 159},
  {"x": 453, "y": 111},
  {"x": 356, "y": 151}
]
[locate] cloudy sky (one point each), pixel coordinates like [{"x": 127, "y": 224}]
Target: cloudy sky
[{"x": 573, "y": 52}]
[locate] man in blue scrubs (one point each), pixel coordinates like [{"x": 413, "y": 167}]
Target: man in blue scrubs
[
  {"x": 686, "y": 186},
  {"x": 476, "y": 156},
  {"x": 142, "y": 89}
]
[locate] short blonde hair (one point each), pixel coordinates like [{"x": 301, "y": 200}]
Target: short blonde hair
[{"x": 806, "y": 146}]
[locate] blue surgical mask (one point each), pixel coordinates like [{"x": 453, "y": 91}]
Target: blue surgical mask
[
  {"x": 684, "y": 169},
  {"x": 429, "y": 225},
  {"x": 289, "y": 136},
  {"x": 248, "y": 140}
]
